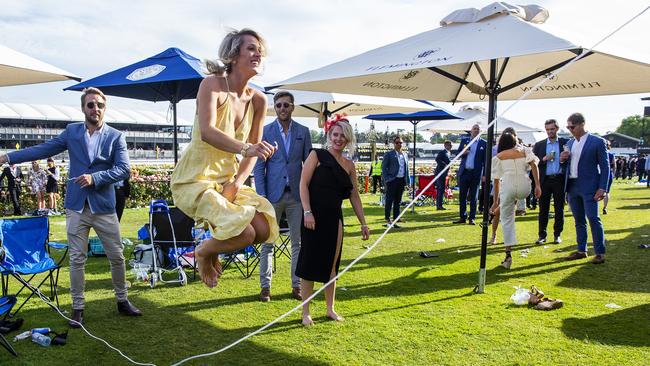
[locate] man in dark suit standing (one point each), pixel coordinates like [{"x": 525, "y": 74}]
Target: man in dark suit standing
[
  {"x": 442, "y": 160},
  {"x": 586, "y": 185},
  {"x": 552, "y": 175},
  {"x": 14, "y": 178},
  {"x": 470, "y": 174},
  {"x": 395, "y": 175},
  {"x": 278, "y": 179}
]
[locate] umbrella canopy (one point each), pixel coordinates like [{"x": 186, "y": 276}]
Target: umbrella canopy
[
  {"x": 472, "y": 116},
  {"x": 323, "y": 105},
  {"x": 19, "y": 69},
  {"x": 494, "y": 52},
  {"x": 414, "y": 118},
  {"x": 171, "y": 75},
  {"x": 451, "y": 63}
]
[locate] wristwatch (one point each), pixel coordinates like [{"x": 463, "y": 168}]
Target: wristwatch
[
  {"x": 307, "y": 213},
  {"x": 245, "y": 149}
]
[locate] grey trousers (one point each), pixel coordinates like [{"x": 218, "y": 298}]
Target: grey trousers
[
  {"x": 108, "y": 230},
  {"x": 293, "y": 210}
]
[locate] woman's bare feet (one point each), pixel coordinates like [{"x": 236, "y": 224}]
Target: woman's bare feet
[
  {"x": 208, "y": 273},
  {"x": 334, "y": 316},
  {"x": 307, "y": 321}
]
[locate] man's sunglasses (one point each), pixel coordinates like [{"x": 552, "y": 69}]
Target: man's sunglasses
[
  {"x": 285, "y": 105},
  {"x": 397, "y": 142},
  {"x": 91, "y": 105},
  {"x": 570, "y": 127}
]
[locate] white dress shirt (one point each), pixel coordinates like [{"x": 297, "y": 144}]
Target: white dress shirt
[
  {"x": 576, "y": 151},
  {"x": 93, "y": 142}
]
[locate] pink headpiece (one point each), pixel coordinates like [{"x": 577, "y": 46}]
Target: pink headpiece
[{"x": 337, "y": 118}]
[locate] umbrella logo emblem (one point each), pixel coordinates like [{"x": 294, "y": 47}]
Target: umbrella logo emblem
[
  {"x": 145, "y": 72},
  {"x": 426, "y": 53},
  {"x": 409, "y": 75}
]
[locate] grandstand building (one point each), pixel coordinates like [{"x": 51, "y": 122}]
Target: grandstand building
[{"x": 149, "y": 135}]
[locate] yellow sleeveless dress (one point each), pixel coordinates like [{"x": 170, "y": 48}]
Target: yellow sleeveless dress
[{"x": 197, "y": 181}]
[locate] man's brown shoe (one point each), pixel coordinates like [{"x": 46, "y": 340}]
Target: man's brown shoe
[
  {"x": 265, "y": 294},
  {"x": 576, "y": 255},
  {"x": 77, "y": 318},
  {"x": 295, "y": 293},
  {"x": 598, "y": 259}
]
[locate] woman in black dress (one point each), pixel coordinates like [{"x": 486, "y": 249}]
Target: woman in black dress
[
  {"x": 51, "y": 187},
  {"x": 327, "y": 179}
]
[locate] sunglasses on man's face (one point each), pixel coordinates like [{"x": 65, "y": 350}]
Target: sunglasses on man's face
[
  {"x": 398, "y": 142},
  {"x": 285, "y": 105},
  {"x": 91, "y": 105},
  {"x": 570, "y": 127}
]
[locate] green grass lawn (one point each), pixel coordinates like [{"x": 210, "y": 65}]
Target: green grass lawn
[{"x": 400, "y": 309}]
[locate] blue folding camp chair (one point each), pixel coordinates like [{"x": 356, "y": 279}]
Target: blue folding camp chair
[
  {"x": 27, "y": 247},
  {"x": 6, "y": 303}
]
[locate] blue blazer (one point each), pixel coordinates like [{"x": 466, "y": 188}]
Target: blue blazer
[
  {"x": 593, "y": 167},
  {"x": 270, "y": 175},
  {"x": 109, "y": 166},
  {"x": 390, "y": 167},
  {"x": 479, "y": 158}
]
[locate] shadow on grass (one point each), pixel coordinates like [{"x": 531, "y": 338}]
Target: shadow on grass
[
  {"x": 626, "y": 268},
  {"x": 620, "y": 328}
]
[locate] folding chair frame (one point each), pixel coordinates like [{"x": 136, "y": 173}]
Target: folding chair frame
[
  {"x": 52, "y": 275},
  {"x": 8, "y": 302}
]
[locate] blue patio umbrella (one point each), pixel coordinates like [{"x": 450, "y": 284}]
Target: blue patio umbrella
[
  {"x": 414, "y": 118},
  {"x": 171, "y": 75}
]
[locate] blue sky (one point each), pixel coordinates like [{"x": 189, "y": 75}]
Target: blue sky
[{"x": 91, "y": 38}]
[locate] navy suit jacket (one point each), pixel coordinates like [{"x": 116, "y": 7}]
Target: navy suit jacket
[
  {"x": 479, "y": 157},
  {"x": 442, "y": 160},
  {"x": 109, "y": 166},
  {"x": 271, "y": 175},
  {"x": 540, "y": 151},
  {"x": 593, "y": 167},
  {"x": 390, "y": 167}
]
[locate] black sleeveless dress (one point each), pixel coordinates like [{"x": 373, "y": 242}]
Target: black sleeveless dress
[
  {"x": 329, "y": 186},
  {"x": 51, "y": 185}
]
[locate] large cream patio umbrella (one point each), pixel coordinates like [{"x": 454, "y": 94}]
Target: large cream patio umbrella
[
  {"x": 497, "y": 52},
  {"x": 19, "y": 69}
]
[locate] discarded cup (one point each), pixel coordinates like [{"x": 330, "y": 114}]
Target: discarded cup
[
  {"x": 613, "y": 306},
  {"x": 441, "y": 240}
]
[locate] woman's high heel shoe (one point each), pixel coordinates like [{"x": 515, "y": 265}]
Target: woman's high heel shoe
[
  {"x": 494, "y": 239},
  {"x": 507, "y": 263}
]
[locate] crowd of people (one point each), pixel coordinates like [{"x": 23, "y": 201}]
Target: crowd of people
[
  {"x": 43, "y": 183},
  {"x": 305, "y": 185}
]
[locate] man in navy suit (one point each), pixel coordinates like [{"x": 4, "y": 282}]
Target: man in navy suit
[
  {"x": 98, "y": 159},
  {"x": 443, "y": 159},
  {"x": 14, "y": 178},
  {"x": 586, "y": 184},
  {"x": 395, "y": 175},
  {"x": 470, "y": 174},
  {"x": 278, "y": 179},
  {"x": 552, "y": 175}
]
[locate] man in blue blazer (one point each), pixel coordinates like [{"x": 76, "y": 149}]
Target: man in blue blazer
[
  {"x": 98, "y": 159},
  {"x": 395, "y": 176},
  {"x": 443, "y": 159},
  {"x": 552, "y": 175},
  {"x": 278, "y": 179},
  {"x": 470, "y": 174},
  {"x": 586, "y": 184}
]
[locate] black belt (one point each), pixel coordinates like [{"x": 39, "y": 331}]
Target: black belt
[{"x": 554, "y": 175}]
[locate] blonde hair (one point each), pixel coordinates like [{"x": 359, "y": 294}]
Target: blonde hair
[
  {"x": 229, "y": 50},
  {"x": 347, "y": 132},
  {"x": 88, "y": 91}
]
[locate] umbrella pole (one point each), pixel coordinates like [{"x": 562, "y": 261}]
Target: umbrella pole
[
  {"x": 175, "y": 134},
  {"x": 415, "y": 141},
  {"x": 480, "y": 288}
]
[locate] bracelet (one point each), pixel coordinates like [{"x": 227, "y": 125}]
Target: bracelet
[{"x": 364, "y": 225}]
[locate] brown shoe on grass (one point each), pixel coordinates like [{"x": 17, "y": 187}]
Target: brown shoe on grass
[
  {"x": 295, "y": 293},
  {"x": 265, "y": 294},
  {"x": 576, "y": 255},
  {"x": 598, "y": 259}
]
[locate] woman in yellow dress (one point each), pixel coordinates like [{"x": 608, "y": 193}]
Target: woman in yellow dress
[{"x": 208, "y": 182}]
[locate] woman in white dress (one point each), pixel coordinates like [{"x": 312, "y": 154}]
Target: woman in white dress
[{"x": 510, "y": 169}]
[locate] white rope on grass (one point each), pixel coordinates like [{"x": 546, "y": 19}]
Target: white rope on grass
[
  {"x": 370, "y": 248},
  {"x": 53, "y": 306}
]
